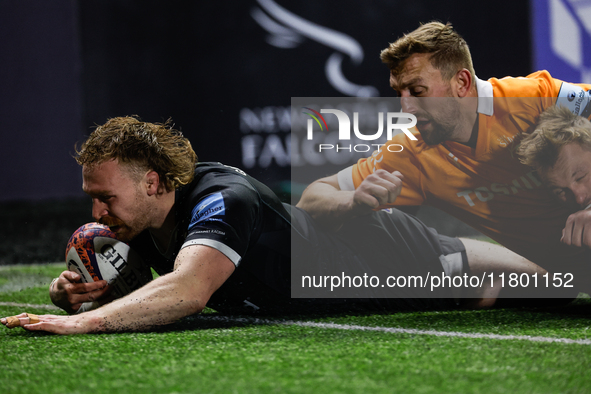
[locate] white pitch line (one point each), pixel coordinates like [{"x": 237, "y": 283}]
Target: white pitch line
[
  {"x": 394, "y": 330},
  {"x": 444, "y": 333},
  {"x": 37, "y": 306},
  {"x": 352, "y": 327}
]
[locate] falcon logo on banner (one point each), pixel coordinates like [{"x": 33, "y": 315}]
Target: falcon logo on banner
[{"x": 287, "y": 30}]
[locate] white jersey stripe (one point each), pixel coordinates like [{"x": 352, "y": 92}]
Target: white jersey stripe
[
  {"x": 345, "y": 178},
  {"x": 225, "y": 249}
]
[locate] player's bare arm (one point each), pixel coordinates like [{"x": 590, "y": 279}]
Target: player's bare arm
[
  {"x": 325, "y": 201},
  {"x": 324, "y": 198},
  {"x": 69, "y": 292},
  {"x": 199, "y": 272}
]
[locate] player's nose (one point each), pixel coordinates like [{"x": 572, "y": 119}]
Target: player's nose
[
  {"x": 581, "y": 195},
  {"x": 582, "y": 200},
  {"x": 99, "y": 209},
  {"x": 408, "y": 103}
]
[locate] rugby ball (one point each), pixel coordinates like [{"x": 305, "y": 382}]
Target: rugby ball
[{"x": 95, "y": 253}]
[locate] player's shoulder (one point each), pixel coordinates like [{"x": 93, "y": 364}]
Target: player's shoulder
[
  {"x": 213, "y": 177},
  {"x": 210, "y": 175},
  {"x": 212, "y": 182},
  {"x": 217, "y": 169},
  {"x": 235, "y": 186},
  {"x": 537, "y": 84}
]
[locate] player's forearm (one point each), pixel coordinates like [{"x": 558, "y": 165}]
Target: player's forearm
[
  {"x": 326, "y": 203},
  {"x": 162, "y": 301}
]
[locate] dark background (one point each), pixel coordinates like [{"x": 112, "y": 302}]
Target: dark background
[{"x": 68, "y": 65}]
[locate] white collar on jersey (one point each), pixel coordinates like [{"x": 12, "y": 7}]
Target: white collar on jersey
[{"x": 485, "y": 97}]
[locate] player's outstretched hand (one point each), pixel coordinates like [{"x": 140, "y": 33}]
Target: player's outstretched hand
[
  {"x": 378, "y": 189},
  {"x": 49, "y": 323},
  {"x": 577, "y": 230},
  {"x": 69, "y": 292}
]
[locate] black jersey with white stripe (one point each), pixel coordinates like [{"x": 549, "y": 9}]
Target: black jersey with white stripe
[{"x": 228, "y": 210}]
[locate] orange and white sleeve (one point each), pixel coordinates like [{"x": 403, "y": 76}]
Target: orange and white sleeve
[{"x": 574, "y": 96}]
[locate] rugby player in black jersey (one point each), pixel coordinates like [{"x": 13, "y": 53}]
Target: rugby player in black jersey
[{"x": 218, "y": 237}]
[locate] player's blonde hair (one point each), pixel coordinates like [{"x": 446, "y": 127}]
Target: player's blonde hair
[
  {"x": 449, "y": 51},
  {"x": 556, "y": 127},
  {"x": 142, "y": 147}
]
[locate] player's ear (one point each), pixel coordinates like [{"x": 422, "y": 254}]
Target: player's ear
[
  {"x": 463, "y": 81},
  {"x": 152, "y": 183}
]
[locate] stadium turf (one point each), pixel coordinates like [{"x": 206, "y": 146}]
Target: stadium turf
[{"x": 526, "y": 350}]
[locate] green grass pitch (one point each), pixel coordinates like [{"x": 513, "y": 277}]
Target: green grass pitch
[{"x": 217, "y": 354}]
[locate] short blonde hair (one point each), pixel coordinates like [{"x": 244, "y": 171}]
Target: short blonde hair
[
  {"x": 141, "y": 146},
  {"x": 556, "y": 127},
  {"x": 449, "y": 51}
]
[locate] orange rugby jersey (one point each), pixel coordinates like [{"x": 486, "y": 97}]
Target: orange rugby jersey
[{"x": 487, "y": 187}]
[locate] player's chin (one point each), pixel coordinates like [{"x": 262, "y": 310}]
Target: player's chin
[
  {"x": 432, "y": 137},
  {"x": 123, "y": 233},
  {"x": 424, "y": 126},
  {"x": 125, "y": 237}
]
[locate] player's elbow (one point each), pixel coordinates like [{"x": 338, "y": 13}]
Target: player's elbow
[
  {"x": 193, "y": 301},
  {"x": 190, "y": 302},
  {"x": 306, "y": 201},
  {"x": 317, "y": 192},
  {"x": 191, "y": 307},
  {"x": 179, "y": 298}
]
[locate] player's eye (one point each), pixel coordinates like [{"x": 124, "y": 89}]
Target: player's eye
[
  {"x": 416, "y": 91},
  {"x": 581, "y": 178},
  {"x": 558, "y": 192}
]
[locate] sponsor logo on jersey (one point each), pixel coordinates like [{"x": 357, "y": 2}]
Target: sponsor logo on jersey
[
  {"x": 211, "y": 231},
  {"x": 211, "y": 208},
  {"x": 484, "y": 194},
  {"x": 573, "y": 97}
]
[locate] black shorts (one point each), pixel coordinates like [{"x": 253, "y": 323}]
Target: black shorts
[{"x": 387, "y": 258}]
